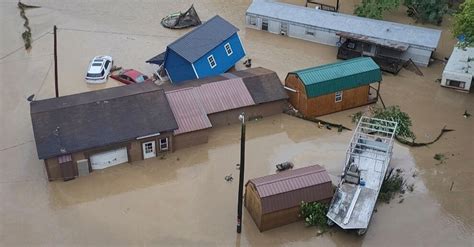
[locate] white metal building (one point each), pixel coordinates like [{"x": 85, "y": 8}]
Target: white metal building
[
  {"x": 332, "y": 28},
  {"x": 459, "y": 71}
]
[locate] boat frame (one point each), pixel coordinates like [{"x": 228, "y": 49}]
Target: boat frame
[{"x": 367, "y": 160}]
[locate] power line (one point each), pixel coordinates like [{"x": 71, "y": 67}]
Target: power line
[
  {"x": 21, "y": 47},
  {"x": 117, "y": 33}
]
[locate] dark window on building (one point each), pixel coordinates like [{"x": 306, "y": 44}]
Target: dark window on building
[
  {"x": 228, "y": 49},
  {"x": 164, "y": 144},
  {"x": 284, "y": 29},
  {"x": 459, "y": 84},
  {"x": 265, "y": 25},
  {"x": 338, "y": 96},
  {"x": 212, "y": 61}
]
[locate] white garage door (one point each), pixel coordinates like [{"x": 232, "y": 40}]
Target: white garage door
[{"x": 109, "y": 158}]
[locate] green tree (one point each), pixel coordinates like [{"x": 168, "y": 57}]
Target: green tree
[
  {"x": 427, "y": 11},
  {"x": 464, "y": 23},
  {"x": 375, "y": 9}
]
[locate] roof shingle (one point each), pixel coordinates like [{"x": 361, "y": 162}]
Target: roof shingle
[
  {"x": 204, "y": 38},
  {"x": 95, "y": 119}
]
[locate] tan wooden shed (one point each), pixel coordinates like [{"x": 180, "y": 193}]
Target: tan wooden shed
[{"x": 274, "y": 200}]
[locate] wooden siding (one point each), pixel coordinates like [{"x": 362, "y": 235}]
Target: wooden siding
[
  {"x": 325, "y": 104},
  {"x": 268, "y": 221},
  {"x": 253, "y": 204}
]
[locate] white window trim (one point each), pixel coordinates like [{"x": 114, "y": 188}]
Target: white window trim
[
  {"x": 227, "y": 50},
  {"x": 167, "y": 144},
  {"x": 209, "y": 61},
  {"x": 336, "y": 96}
]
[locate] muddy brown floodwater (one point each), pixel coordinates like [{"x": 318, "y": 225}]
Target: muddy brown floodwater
[{"x": 183, "y": 199}]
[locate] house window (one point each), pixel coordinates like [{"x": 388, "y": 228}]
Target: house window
[
  {"x": 453, "y": 83},
  {"x": 212, "y": 61},
  {"x": 228, "y": 49},
  {"x": 148, "y": 147},
  {"x": 265, "y": 25},
  {"x": 338, "y": 96},
  {"x": 253, "y": 21},
  {"x": 164, "y": 144},
  {"x": 283, "y": 29},
  {"x": 309, "y": 32}
]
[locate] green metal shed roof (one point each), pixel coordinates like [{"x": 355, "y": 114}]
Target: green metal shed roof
[{"x": 339, "y": 76}]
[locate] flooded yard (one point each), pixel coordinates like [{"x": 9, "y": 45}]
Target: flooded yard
[{"x": 182, "y": 198}]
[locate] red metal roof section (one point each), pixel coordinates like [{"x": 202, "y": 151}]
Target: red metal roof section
[
  {"x": 288, "y": 188},
  {"x": 224, "y": 95},
  {"x": 187, "y": 110}
]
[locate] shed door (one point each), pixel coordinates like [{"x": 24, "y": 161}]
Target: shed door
[
  {"x": 67, "y": 167},
  {"x": 109, "y": 158}
]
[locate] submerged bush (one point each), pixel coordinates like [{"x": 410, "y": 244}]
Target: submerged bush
[
  {"x": 392, "y": 184},
  {"x": 314, "y": 213}
]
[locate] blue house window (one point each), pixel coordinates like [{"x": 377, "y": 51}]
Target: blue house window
[
  {"x": 212, "y": 61},
  {"x": 228, "y": 49}
]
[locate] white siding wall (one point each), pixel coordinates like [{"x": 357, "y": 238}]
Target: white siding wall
[
  {"x": 453, "y": 76},
  {"x": 419, "y": 56},
  {"x": 296, "y": 31}
]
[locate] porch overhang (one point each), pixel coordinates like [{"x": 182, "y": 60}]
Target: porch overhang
[{"x": 399, "y": 46}]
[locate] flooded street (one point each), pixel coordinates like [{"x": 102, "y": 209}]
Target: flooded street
[{"x": 182, "y": 199}]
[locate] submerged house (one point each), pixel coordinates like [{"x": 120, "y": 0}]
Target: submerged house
[
  {"x": 275, "y": 200},
  {"x": 80, "y": 133},
  {"x": 334, "y": 87},
  {"x": 210, "y": 49},
  {"x": 217, "y": 101},
  {"x": 459, "y": 71},
  {"x": 389, "y": 43}
]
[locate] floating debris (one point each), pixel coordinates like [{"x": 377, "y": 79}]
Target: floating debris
[
  {"x": 182, "y": 20},
  {"x": 229, "y": 178},
  {"x": 26, "y": 35}
]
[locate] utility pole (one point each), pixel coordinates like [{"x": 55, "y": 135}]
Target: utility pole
[
  {"x": 55, "y": 63},
  {"x": 241, "y": 176}
]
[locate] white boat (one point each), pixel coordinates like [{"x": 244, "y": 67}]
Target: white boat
[{"x": 367, "y": 161}]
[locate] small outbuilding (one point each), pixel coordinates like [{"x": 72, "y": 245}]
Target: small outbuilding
[
  {"x": 210, "y": 49},
  {"x": 459, "y": 71},
  {"x": 275, "y": 200},
  {"x": 334, "y": 87}
]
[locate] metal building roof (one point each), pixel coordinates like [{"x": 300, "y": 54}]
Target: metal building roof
[
  {"x": 288, "y": 188},
  {"x": 188, "y": 110},
  {"x": 203, "y": 39},
  {"x": 337, "y": 22},
  {"x": 339, "y": 76},
  {"x": 224, "y": 95},
  {"x": 460, "y": 65},
  {"x": 95, "y": 119}
]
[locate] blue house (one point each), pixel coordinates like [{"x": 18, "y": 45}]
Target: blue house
[{"x": 210, "y": 49}]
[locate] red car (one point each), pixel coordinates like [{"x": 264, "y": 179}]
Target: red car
[{"x": 129, "y": 76}]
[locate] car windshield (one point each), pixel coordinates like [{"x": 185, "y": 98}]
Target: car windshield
[
  {"x": 93, "y": 75},
  {"x": 140, "y": 78},
  {"x": 97, "y": 64}
]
